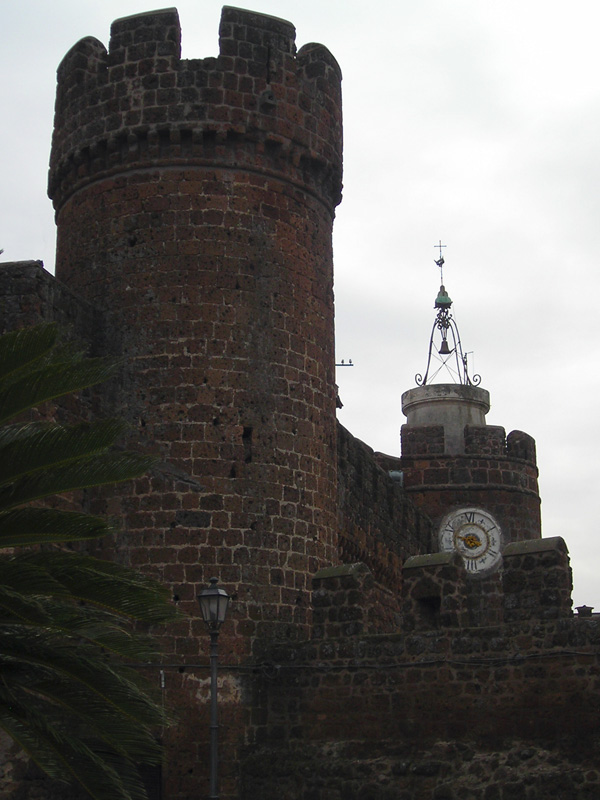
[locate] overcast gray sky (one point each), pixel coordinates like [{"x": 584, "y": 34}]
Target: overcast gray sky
[{"x": 470, "y": 121}]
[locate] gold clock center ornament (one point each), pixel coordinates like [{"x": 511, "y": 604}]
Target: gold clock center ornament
[{"x": 475, "y": 535}]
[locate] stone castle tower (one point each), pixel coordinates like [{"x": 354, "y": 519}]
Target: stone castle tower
[
  {"x": 478, "y": 485},
  {"x": 194, "y": 204},
  {"x": 364, "y": 654}
]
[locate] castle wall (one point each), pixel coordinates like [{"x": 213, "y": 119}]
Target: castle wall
[
  {"x": 194, "y": 205},
  {"x": 496, "y": 712},
  {"x": 30, "y": 295},
  {"x": 443, "y": 708},
  {"x": 377, "y": 522}
]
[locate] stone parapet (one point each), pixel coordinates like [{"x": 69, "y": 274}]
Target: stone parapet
[
  {"x": 537, "y": 580},
  {"x": 451, "y": 405},
  {"x": 29, "y": 295},
  {"x": 347, "y": 601},
  {"x": 489, "y": 712},
  {"x": 377, "y": 523},
  {"x": 258, "y": 104},
  {"x": 434, "y": 592}
]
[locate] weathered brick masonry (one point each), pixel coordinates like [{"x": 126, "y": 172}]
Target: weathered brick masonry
[
  {"x": 496, "y": 471},
  {"x": 194, "y": 202}
]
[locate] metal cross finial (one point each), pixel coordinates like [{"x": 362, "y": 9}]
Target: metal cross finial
[{"x": 440, "y": 261}]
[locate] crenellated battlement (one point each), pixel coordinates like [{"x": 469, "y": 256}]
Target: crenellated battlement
[
  {"x": 258, "y": 104},
  {"x": 478, "y": 441}
]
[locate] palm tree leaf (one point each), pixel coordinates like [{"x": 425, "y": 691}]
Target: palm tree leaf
[
  {"x": 47, "y": 656},
  {"x": 26, "y": 577},
  {"x": 103, "y": 774},
  {"x": 68, "y": 621},
  {"x": 114, "y": 587},
  {"x": 32, "y": 525},
  {"x": 19, "y": 349},
  {"x": 76, "y": 706},
  {"x": 17, "y": 607},
  {"x": 97, "y": 470},
  {"x": 49, "y": 382},
  {"x": 34, "y": 446},
  {"x": 57, "y": 614}
]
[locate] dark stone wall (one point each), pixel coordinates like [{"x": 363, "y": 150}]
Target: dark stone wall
[
  {"x": 194, "y": 204},
  {"x": 497, "y": 472},
  {"x": 378, "y": 523},
  {"x": 458, "y": 702},
  {"x": 400, "y": 770},
  {"x": 30, "y": 295},
  {"x": 497, "y": 712}
]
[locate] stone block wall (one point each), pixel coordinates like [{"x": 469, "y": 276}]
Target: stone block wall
[
  {"x": 496, "y": 472},
  {"x": 423, "y": 440},
  {"x": 536, "y": 579},
  {"x": 485, "y": 440},
  {"x": 492, "y": 712},
  {"x": 258, "y": 102},
  {"x": 533, "y": 580},
  {"x": 434, "y": 592},
  {"x": 377, "y": 523},
  {"x": 30, "y": 295},
  {"x": 347, "y": 601},
  {"x": 194, "y": 203}
]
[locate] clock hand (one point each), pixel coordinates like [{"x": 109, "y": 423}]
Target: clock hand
[{"x": 470, "y": 540}]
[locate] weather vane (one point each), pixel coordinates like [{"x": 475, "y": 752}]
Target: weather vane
[{"x": 440, "y": 260}]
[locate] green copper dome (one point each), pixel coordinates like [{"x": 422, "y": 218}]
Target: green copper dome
[{"x": 442, "y": 300}]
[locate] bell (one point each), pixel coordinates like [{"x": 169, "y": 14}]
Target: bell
[{"x": 444, "y": 349}]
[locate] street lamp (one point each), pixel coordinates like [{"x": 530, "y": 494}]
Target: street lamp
[{"x": 213, "y": 605}]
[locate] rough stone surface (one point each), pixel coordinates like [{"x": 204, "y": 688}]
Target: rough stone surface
[{"x": 495, "y": 472}]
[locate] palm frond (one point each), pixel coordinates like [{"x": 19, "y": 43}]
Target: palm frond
[
  {"x": 113, "y": 587},
  {"x": 49, "y": 382},
  {"x": 35, "y": 446},
  {"x": 70, "y": 622},
  {"x": 100, "y": 771},
  {"x": 33, "y": 525},
  {"x": 82, "y": 473},
  {"x": 20, "y": 349}
]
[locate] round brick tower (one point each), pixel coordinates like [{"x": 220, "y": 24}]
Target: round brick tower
[
  {"x": 451, "y": 459},
  {"x": 194, "y": 202}
]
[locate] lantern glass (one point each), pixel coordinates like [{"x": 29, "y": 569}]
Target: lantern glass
[{"x": 213, "y": 604}]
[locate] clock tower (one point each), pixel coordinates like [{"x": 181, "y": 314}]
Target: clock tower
[{"x": 478, "y": 485}]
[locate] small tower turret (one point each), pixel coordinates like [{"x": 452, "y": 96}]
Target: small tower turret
[{"x": 454, "y": 462}]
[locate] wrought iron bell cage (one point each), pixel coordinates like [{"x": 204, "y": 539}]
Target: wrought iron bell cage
[{"x": 445, "y": 346}]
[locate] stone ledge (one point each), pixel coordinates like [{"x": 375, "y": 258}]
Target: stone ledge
[
  {"x": 430, "y": 560},
  {"x": 535, "y": 546},
  {"x": 341, "y": 571}
]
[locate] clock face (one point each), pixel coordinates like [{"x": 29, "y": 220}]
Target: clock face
[{"x": 475, "y": 535}]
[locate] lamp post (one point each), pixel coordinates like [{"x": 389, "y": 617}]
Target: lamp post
[{"x": 213, "y": 605}]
